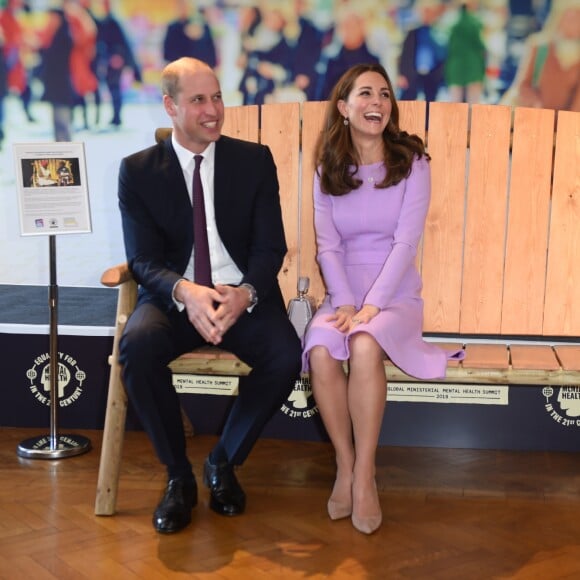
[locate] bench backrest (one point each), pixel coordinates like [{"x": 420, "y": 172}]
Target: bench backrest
[{"x": 501, "y": 250}]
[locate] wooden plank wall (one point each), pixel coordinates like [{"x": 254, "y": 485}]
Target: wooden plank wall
[
  {"x": 501, "y": 246},
  {"x": 562, "y": 302},
  {"x": 528, "y": 222},
  {"x": 443, "y": 238}
]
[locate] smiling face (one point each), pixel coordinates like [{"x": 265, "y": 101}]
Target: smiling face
[
  {"x": 368, "y": 106},
  {"x": 196, "y": 107}
]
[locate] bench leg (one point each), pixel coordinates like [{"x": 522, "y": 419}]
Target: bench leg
[
  {"x": 116, "y": 413},
  {"x": 112, "y": 446}
]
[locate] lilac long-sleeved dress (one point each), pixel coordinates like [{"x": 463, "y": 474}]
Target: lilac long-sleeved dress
[{"x": 367, "y": 243}]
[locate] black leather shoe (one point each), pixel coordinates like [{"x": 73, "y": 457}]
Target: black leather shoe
[
  {"x": 174, "y": 510},
  {"x": 227, "y": 497}
]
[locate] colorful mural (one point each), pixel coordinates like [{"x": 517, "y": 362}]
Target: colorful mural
[
  {"x": 88, "y": 70},
  {"x": 287, "y": 49}
]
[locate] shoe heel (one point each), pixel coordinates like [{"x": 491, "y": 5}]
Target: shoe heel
[{"x": 338, "y": 510}]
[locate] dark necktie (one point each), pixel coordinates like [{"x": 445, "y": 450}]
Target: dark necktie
[{"x": 202, "y": 265}]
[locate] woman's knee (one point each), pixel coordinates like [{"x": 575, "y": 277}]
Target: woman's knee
[
  {"x": 318, "y": 354},
  {"x": 321, "y": 359},
  {"x": 364, "y": 347}
]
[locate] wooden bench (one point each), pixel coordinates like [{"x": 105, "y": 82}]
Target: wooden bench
[{"x": 500, "y": 256}]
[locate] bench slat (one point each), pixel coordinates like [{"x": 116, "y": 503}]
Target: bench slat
[
  {"x": 484, "y": 244},
  {"x": 527, "y": 234},
  {"x": 538, "y": 357},
  {"x": 199, "y": 363},
  {"x": 569, "y": 356},
  {"x": 486, "y": 356},
  {"x": 441, "y": 264},
  {"x": 412, "y": 117},
  {"x": 494, "y": 376},
  {"x": 281, "y": 132},
  {"x": 242, "y": 122},
  {"x": 562, "y": 305}
]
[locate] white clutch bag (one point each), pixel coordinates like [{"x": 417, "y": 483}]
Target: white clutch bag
[{"x": 302, "y": 308}]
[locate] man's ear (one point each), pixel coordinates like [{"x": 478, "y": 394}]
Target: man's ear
[{"x": 169, "y": 105}]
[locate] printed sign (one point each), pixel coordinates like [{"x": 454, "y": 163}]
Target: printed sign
[
  {"x": 563, "y": 404},
  {"x": 69, "y": 381},
  {"x": 205, "y": 385},
  {"x": 52, "y": 188},
  {"x": 438, "y": 393}
]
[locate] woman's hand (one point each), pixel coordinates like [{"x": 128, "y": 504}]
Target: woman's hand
[
  {"x": 364, "y": 315},
  {"x": 342, "y": 317}
]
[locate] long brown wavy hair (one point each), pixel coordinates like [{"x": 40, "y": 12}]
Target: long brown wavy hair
[{"x": 335, "y": 157}]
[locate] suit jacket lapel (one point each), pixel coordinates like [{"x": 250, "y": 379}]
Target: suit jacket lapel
[
  {"x": 181, "y": 209},
  {"x": 174, "y": 176},
  {"x": 222, "y": 182}
]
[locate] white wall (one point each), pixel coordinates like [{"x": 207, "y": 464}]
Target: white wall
[{"x": 81, "y": 258}]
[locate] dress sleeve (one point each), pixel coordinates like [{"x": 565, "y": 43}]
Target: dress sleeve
[
  {"x": 330, "y": 253},
  {"x": 408, "y": 232}
]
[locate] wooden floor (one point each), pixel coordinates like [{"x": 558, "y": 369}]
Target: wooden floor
[{"x": 448, "y": 514}]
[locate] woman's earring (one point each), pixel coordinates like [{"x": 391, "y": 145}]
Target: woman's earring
[{"x": 345, "y": 121}]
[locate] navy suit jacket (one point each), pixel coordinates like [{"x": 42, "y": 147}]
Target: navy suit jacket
[{"x": 157, "y": 217}]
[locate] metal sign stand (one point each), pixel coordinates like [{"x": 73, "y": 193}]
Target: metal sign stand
[{"x": 53, "y": 446}]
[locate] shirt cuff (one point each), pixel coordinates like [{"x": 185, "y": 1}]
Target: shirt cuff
[
  {"x": 253, "y": 296},
  {"x": 179, "y": 305}
]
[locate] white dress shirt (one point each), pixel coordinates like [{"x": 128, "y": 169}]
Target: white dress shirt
[{"x": 223, "y": 268}]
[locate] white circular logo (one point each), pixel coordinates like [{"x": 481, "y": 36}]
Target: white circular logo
[
  {"x": 565, "y": 407},
  {"x": 69, "y": 379},
  {"x": 300, "y": 403}
]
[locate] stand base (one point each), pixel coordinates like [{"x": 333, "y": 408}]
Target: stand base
[{"x": 66, "y": 446}]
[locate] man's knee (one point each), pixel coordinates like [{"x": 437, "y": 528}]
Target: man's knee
[
  {"x": 289, "y": 357},
  {"x": 144, "y": 344}
]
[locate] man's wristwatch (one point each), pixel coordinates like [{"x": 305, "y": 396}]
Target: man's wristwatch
[{"x": 252, "y": 293}]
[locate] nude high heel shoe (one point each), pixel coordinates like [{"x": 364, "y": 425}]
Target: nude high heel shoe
[
  {"x": 368, "y": 524},
  {"x": 339, "y": 508}
]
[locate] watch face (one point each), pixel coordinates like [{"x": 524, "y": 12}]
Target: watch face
[{"x": 252, "y": 292}]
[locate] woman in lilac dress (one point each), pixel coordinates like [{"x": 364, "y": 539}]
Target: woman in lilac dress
[{"x": 371, "y": 196}]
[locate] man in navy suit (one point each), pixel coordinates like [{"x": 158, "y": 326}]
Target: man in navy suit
[{"x": 241, "y": 309}]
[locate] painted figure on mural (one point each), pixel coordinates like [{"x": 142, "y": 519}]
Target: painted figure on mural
[
  {"x": 267, "y": 56},
  {"x": 465, "y": 65},
  {"x": 84, "y": 50},
  {"x": 422, "y": 59},
  {"x": 189, "y": 35},
  {"x": 349, "y": 47},
  {"x": 117, "y": 56},
  {"x": 55, "y": 48},
  {"x": 17, "y": 49},
  {"x": 307, "y": 49},
  {"x": 549, "y": 74},
  {"x": 3, "y": 86},
  {"x": 95, "y": 96}
]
